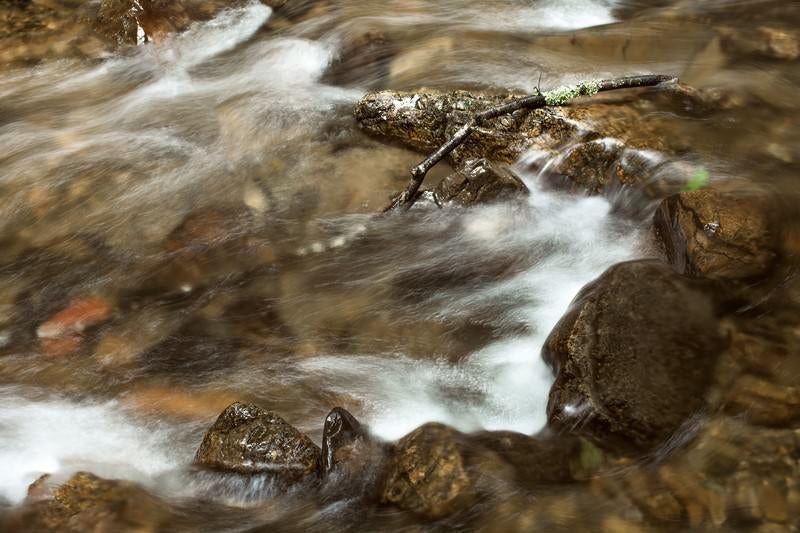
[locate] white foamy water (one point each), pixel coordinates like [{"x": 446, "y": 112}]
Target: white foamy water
[
  {"x": 181, "y": 118},
  {"x": 51, "y": 434},
  {"x": 569, "y": 240}
]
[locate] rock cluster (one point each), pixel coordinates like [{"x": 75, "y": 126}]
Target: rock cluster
[{"x": 654, "y": 357}]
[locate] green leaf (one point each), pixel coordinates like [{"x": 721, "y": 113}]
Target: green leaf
[
  {"x": 591, "y": 458},
  {"x": 698, "y": 180}
]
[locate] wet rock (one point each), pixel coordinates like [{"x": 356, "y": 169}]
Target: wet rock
[
  {"x": 591, "y": 164},
  {"x": 425, "y": 120},
  {"x": 361, "y": 60},
  {"x": 206, "y": 228},
  {"x": 477, "y": 182},
  {"x": 40, "y": 489},
  {"x": 161, "y": 400},
  {"x": 428, "y": 474},
  {"x": 290, "y": 7},
  {"x": 718, "y": 233},
  {"x": 544, "y": 459},
  {"x": 248, "y": 440},
  {"x": 62, "y": 333},
  {"x": 135, "y": 21},
  {"x": 89, "y": 503},
  {"x": 353, "y": 462},
  {"x": 633, "y": 356},
  {"x": 764, "y": 41},
  {"x": 80, "y": 314},
  {"x": 763, "y": 402},
  {"x": 342, "y": 436},
  {"x": 436, "y": 471},
  {"x": 599, "y": 139}
]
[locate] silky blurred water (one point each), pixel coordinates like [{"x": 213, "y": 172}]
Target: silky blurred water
[{"x": 305, "y": 301}]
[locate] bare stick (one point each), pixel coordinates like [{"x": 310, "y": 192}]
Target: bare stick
[{"x": 556, "y": 97}]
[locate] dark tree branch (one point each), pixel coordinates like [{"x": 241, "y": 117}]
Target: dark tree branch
[{"x": 556, "y": 97}]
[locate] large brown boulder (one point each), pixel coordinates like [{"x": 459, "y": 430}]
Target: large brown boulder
[
  {"x": 718, "y": 233},
  {"x": 249, "y": 440},
  {"x": 633, "y": 356}
]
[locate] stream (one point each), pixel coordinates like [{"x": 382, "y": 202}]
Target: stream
[{"x": 211, "y": 195}]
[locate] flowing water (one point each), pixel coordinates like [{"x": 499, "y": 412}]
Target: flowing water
[{"x": 214, "y": 190}]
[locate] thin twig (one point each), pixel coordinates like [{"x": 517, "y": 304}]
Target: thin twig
[{"x": 552, "y": 98}]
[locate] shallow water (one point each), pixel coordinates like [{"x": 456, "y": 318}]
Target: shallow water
[{"x": 282, "y": 288}]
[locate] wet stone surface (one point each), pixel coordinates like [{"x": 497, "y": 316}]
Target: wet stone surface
[
  {"x": 718, "y": 233},
  {"x": 633, "y": 356},
  {"x": 478, "y": 182},
  {"x": 247, "y": 439}
]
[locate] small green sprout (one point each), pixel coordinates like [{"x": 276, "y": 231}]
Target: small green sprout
[
  {"x": 564, "y": 94},
  {"x": 698, "y": 180}
]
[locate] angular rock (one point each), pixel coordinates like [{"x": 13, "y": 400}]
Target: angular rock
[
  {"x": 342, "y": 436},
  {"x": 633, "y": 356},
  {"x": 718, "y": 234},
  {"x": 249, "y": 440},
  {"x": 476, "y": 182}
]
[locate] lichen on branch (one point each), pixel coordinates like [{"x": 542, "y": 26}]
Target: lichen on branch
[{"x": 565, "y": 93}]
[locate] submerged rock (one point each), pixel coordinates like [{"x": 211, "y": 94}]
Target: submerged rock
[
  {"x": 134, "y": 21},
  {"x": 543, "y": 459},
  {"x": 718, "y": 234},
  {"x": 362, "y": 59},
  {"x": 476, "y": 182},
  {"x": 62, "y": 333},
  {"x": 633, "y": 356},
  {"x": 88, "y": 503},
  {"x": 249, "y": 440},
  {"x": 765, "y": 41},
  {"x": 436, "y": 471}
]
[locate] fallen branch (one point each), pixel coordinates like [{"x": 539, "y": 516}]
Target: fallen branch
[{"x": 556, "y": 97}]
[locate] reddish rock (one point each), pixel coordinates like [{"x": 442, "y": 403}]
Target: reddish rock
[
  {"x": 61, "y": 345},
  {"x": 80, "y": 314}
]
